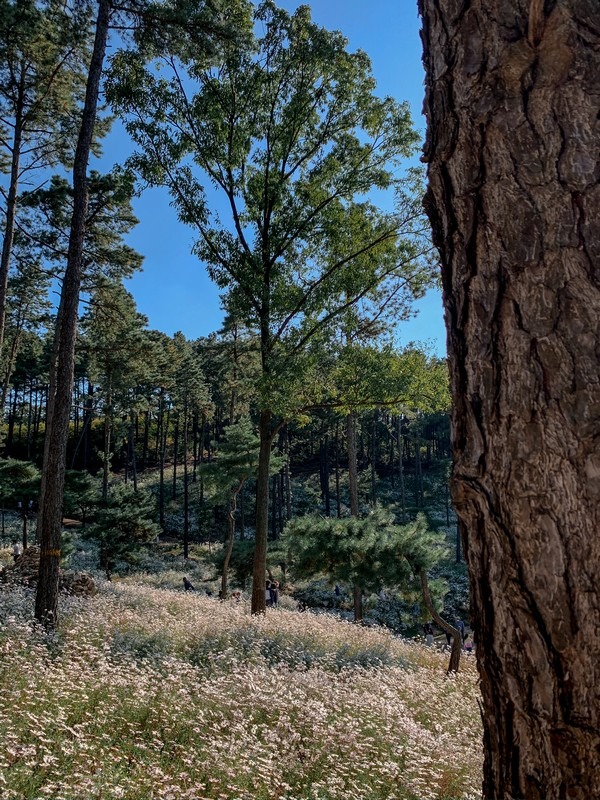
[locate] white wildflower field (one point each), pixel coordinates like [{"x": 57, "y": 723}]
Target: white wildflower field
[{"x": 148, "y": 694}]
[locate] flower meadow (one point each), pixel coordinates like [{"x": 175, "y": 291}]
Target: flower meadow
[{"x": 148, "y": 694}]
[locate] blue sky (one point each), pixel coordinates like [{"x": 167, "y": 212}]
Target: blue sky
[{"x": 173, "y": 290}]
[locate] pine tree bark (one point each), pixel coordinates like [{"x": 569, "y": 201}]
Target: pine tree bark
[
  {"x": 514, "y": 199},
  {"x": 63, "y": 356}
]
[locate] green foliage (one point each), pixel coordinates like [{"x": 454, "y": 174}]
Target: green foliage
[
  {"x": 115, "y": 343},
  {"x": 82, "y": 493},
  {"x": 49, "y": 210},
  {"x": 240, "y": 562},
  {"x": 19, "y": 481},
  {"x": 190, "y": 391},
  {"x": 43, "y": 49},
  {"x": 122, "y": 525},
  {"x": 371, "y": 552},
  {"x": 236, "y": 460},
  {"x": 290, "y": 132}
]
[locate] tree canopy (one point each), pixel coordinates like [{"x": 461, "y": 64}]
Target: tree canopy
[{"x": 290, "y": 137}]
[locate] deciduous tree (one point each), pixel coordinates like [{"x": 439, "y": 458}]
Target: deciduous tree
[{"x": 292, "y": 137}]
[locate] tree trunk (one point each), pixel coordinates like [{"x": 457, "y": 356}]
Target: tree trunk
[
  {"x": 338, "y": 500},
  {"x": 401, "y": 470},
  {"x": 194, "y": 446},
  {"x": 456, "y": 635},
  {"x": 324, "y": 473},
  {"x": 242, "y": 516},
  {"x": 62, "y": 364},
  {"x": 274, "y": 507},
  {"x": 353, "y": 485},
  {"x": 107, "y": 442},
  {"x": 230, "y": 541},
  {"x": 281, "y": 513},
  {"x": 87, "y": 426},
  {"x": 145, "y": 440},
  {"x": 10, "y": 211},
  {"x": 418, "y": 468},
  {"x": 175, "y": 457},
  {"x": 514, "y": 199},
  {"x": 352, "y": 462},
  {"x": 259, "y": 570},
  {"x": 164, "y": 432},
  {"x": 287, "y": 481},
  {"x": 374, "y": 459},
  {"x": 357, "y": 604},
  {"x": 132, "y": 453},
  {"x": 186, "y": 489}
]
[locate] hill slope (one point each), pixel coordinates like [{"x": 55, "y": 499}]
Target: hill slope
[{"x": 149, "y": 693}]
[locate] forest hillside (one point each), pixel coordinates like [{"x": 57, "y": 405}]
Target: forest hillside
[{"x": 152, "y": 692}]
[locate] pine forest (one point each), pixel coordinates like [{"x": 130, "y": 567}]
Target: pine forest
[{"x": 291, "y": 556}]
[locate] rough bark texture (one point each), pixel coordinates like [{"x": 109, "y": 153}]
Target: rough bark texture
[
  {"x": 513, "y": 140},
  {"x": 63, "y": 356}
]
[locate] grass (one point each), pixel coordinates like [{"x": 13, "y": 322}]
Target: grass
[{"x": 151, "y": 694}]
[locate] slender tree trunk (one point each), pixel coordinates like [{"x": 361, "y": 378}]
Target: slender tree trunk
[
  {"x": 324, "y": 473},
  {"x": 195, "y": 447},
  {"x": 401, "y": 470},
  {"x": 230, "y": 540},
  {"x": 357, "y": 603},
  {"x": 145, "y": 439},
  {"x": 9, "y": 368},
  {"x": 62, "y": 365},
  {"x": 10, "y": 211},
  {"x": 24, "y": 531},
  {"x": 76, "y": 410},
  {"x": 175, "y": 456},
  {"x": 273, "y": 507},
  {"x": 87, "y": 426},
  {"x": 242, "y": 516},
  {"x": 353, "y": 485},
  {"x": 374, "y": 459},
  {"x": 287, "y": 475},
  {"x": 132, "y": 453},
  {"x": 159, "y": 428},
  {"x": 186, "y": 490},
  {"x": 338, "y": 499},
  {"x": 392, "y": 454},
  {"x": 202, "y": 429},
  {"x": 161, "y": 472},
  {"x": 107, "y": 442},
  {"x": 352, "y": 462},
  {"x": 38, "y": 416},
  {"x": 262, "y": 514},
  {"x": 21, "y": 418},
  {"x": 457, "y": 643},
  {"x": 29, "y": 418},
  {"x": 281, "y": 492},
  {"x": 11, "y": 422},
  {"x": 514, "y": 199},
  {"x": 418, "y": 468}
]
